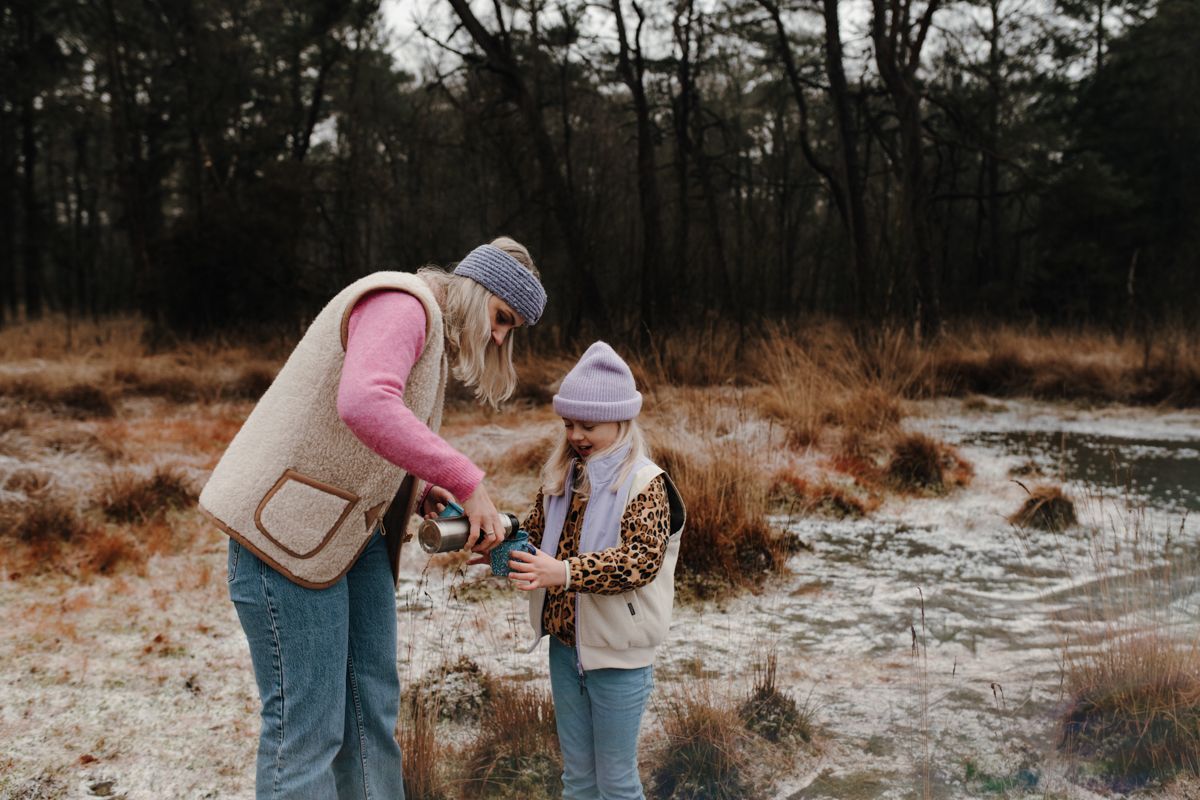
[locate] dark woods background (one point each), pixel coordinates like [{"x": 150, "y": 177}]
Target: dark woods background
[{"x": 220, "y": 166}]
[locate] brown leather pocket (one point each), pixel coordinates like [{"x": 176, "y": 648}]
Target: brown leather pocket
[{"x": 300, "y": 514}]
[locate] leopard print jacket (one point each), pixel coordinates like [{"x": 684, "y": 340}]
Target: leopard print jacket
[{"x": 645, "y": 531}]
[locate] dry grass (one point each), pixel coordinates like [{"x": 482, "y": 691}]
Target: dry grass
[
  {"x": 1091, "y": 365},
  {"x": 1135, "y": 707},
  {"x": 706, "y": 750},
  {"x": 1131, "y": 668},
  {"x": 523, "y": 458},
  {"x": 922, "y": 464},
  {"x": 795, "y": 495},
  {"x": 515, "y": 752},
  {"x": 422, "y": 747},
  {"x": 771, "y": 712},
  {"x": 1047, "y": 508},
  {"x": 728, "y": 542},
  {"x": 46, "y": 533},
  {"x": 129, "y": 497}
]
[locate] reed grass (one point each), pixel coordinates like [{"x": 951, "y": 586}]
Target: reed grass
[
  {"x": 423, "y": 749},
  {"x": 1132, "y": 667},
  {"x": 770, "y": 711},
  {"x": 728, "y": 543},
  {"x": 514, "y": 754},
  {"x": 705, "y": 752}
]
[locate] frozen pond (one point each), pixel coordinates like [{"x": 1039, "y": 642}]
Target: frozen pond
[{"x": 978, "y": 694}]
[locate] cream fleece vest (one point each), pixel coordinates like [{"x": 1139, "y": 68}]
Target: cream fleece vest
[
  {"x": 295, "y": 485},
  {"x": 621, "y": 631}
]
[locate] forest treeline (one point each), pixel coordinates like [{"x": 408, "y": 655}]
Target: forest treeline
[{"x": 219, "y": 165}]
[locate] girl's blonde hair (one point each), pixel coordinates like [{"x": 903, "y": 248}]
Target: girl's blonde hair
[
  {"x": 554, "y": 472},
  {"x": 478, "y": 362}
]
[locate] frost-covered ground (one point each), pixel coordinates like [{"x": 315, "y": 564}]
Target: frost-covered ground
[{"x": 140, "y": 685}]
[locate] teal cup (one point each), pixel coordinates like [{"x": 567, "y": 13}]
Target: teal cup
[{"x": 503, "y": 551}]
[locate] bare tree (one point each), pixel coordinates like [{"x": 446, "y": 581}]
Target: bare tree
[
  {"x": 899, "y": 29},
  {"x": 631, "y": 66},
  {"x": 498, "y": 51}
]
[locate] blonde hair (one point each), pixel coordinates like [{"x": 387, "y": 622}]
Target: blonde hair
[
  {"x": 478, "y": 362},
  {"x": 554, "y": 472}
]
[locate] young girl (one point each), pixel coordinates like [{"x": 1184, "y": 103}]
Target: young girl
[{"x": 613, "y": 520}]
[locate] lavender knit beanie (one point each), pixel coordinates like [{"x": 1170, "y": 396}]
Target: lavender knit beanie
[
  {"x": 599, "y": 388},
  {"x": 507, "y": 278}
]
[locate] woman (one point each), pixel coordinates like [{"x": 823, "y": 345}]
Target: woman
[{"x": 303, "y": 488}]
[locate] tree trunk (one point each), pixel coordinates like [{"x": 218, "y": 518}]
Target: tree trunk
[
  {"x": 632, "y": 68},
  {"x": 589, "y": 304},
  {"x": 898, "y": 56},
  {"x": 855, "y": 187}
]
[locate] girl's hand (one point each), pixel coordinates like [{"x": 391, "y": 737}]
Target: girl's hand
[
  {"x": 539, "y": 570},
  {"x": 436, "y": 500}
]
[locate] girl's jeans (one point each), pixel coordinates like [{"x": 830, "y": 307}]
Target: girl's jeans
[
  {"x": 325, "y": 663},
  {"x": 598, "y": 727}
]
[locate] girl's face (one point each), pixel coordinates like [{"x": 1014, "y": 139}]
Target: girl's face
[
  {"x": 586, "y": 438},
  {"x": 503, "y": 319}
]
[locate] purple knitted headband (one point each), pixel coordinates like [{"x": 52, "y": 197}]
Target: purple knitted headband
[{"x": 507, "y": 278}]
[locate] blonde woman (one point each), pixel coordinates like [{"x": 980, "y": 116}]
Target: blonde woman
[
  {"x": 341, "y": 438},
  {"x": 607, "y": 525}
]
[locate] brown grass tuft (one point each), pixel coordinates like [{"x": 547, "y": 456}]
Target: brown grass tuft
[
  {"x": 106, "y": 551},
  {"x": 127, "y": 497},
  {"x": 423, "y": 748},
  {"x": 916, "y": 464},
  {"x": 728, "y": 542},
  {"x": 1047, "y": 508},
  {"x": 795, "y": 495},
  {"x": 1135, "y": 708},
  {"x": 920, "y": 463},
  {"x": 38, "y": 531},
  {"x": 58, "y": 391},
  {"x": 705, "y": 753},
  {"x": 771, "y": 712},
  {"x": 515, "y": 753}
]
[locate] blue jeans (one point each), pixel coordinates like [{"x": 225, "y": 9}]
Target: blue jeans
[
  {"x": 325, "y": 663},
  {"x": 598, "y": 726}
]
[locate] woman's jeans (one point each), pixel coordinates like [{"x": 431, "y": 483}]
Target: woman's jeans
[
  {"x": 325, "y": 663},
  {"x": 598, "y": 726}
]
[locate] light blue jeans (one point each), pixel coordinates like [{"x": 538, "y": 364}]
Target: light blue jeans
[
  {"x": 598, "y": 723},
  {"x": 325, "y": 663}
]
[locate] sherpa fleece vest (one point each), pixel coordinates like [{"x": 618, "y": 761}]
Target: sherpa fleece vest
[
  {"x": 295, "y": 485},
  {"x": 618, "y": 631}
]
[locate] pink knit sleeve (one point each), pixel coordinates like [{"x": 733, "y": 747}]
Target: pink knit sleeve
[{"x": 385, "y": 339}]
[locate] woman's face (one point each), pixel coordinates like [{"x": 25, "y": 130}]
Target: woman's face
[
  {"x": 503, "y": 319},
  {"x": 586, "y": 438}
]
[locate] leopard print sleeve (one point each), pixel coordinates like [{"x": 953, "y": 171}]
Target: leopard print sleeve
[
  {"x": 535, "y": 522},
  {"x": 645, "y": 530}
]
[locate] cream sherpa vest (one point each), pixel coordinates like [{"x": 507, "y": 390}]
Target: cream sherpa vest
[{"x": 295, "y": 485}]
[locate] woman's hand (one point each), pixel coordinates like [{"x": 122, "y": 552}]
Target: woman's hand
[
  {"x": 487, "y": 526},
  {"x": 535, "y": 570},
  {"x": 436, "y": 501}
]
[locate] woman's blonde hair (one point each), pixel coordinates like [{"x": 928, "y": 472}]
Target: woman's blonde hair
[
  {"x": 478, "y": 362},
  {"x": 554, "y": 472}
]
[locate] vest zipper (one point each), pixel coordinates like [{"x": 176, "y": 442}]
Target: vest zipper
[{"x": 578, "y": 655}]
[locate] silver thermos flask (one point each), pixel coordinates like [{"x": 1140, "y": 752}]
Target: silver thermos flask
[{"x": 449, "y": 531}]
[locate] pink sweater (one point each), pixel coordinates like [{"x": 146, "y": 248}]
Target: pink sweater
[{"x": 386, "y": 335}]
